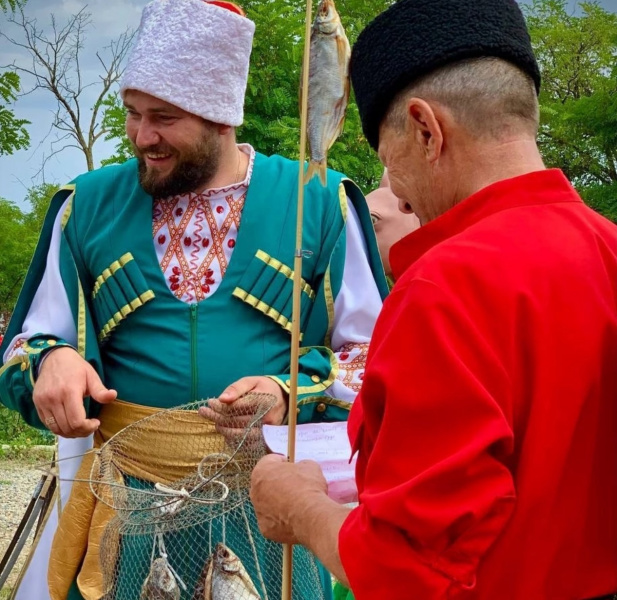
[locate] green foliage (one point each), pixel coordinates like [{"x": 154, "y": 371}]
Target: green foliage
[
  {"x": 114, "y": 116},
  {"x": 15, "y": 255},
  {"x": 579, "y": 95},
  {"x": 602, "y": 198},
  {"x": 19, "y": 233},
  {"x": 272, "y": 123},
  {"x": 16, "y": 433},
  {"x": 39, "y": 198},
  {"x": 13, "y": 135},
  {"x": 8, "y": 5}
]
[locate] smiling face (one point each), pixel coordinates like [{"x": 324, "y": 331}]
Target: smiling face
[{"x": 178, "y": 152}]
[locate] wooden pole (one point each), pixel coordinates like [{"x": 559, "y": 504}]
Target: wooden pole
[{"x": 297, "y": 289}]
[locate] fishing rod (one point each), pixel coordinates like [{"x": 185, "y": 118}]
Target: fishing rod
[{"x": 286, "y": 588}]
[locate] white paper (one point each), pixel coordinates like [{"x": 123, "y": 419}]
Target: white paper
[{"x": 328, "y": 445}]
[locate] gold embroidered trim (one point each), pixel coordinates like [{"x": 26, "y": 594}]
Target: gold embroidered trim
[
  {"x": 326, "y": 400},
  {"x": 342, "y": 198},
  {"x": 285, "y": 270},
  {"x": 109, "y": 271},
  {"x": 22, "y": 359},
  {"x": 324, "y": 385},
  {"x": 31, "y": 349},
  {"x": 81, "y": 322},
  {"x": 329, "y": 299},
  {"x": 69, "y": 207},
  {"x": 123, "y": 312},
  {"x": 262, "y": 307},
  {"x": 319, "y": 387}
]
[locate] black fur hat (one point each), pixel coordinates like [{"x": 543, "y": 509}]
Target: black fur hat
[{"x": 414, "y": 37}]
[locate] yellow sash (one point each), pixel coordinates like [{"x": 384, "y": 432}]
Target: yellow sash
[{"x": 75, "y": 549}]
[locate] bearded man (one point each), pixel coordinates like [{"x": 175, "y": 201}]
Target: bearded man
[
  {"x": 486, "y": 424},
  {"x": 168, "y": 279}
]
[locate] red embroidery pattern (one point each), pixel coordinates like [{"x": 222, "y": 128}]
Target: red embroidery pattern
[
  {"x": 195, "y": 258},
  {"x": 352, "y": 361},
  {"x": 17, "y": 349},
  {"x": 195, "y": 236}
]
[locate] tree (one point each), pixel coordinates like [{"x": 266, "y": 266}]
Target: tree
[
  {"x": 272, "y": 123},
  {"x": 56, "y": 66},
  {"x": 114, "y": 118},
  {"x": 19, "y": 233},
  {"x": 39, "y": 198},
  {"x": 578, "y": 100},
  {"x": 14, "y": 258},
  {"x": 13, "y": 134}
]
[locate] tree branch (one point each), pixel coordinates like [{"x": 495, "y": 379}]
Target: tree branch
[{"x": 57, "y": 68}]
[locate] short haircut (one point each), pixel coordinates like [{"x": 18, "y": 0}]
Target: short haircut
[{"x": 490, "y": 97}]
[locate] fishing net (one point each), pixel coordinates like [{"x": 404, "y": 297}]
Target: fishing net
[{"x": 181, "y": 522}]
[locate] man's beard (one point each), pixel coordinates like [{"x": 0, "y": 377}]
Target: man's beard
[{"x": 195, "y": 167}]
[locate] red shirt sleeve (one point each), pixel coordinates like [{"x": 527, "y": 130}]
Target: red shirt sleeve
[{"x": 435, "y": 487}]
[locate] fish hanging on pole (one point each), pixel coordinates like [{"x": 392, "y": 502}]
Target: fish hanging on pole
[{"x": 328, "y": 90}]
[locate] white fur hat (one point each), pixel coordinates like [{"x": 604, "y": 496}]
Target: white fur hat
[{"x": 194, "y": 55}]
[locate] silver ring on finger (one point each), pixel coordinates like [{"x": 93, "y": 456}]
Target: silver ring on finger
[{"x": 50, "y": 422}]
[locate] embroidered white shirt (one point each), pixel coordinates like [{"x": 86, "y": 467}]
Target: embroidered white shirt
[{"x": 195, "y": 236}]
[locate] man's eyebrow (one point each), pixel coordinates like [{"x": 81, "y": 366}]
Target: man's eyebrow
[
  {"x": 153, "y": 110},
  {"x": 164, "y": 109}
]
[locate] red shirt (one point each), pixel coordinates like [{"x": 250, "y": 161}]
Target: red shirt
[{"x": 487, "y": 421}]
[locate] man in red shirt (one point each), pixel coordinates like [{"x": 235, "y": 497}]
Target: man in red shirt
[{"x": 486, "y": 426}]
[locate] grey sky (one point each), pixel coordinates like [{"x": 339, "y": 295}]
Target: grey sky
[
  {"x": 109, "y": 19},
  {"x": 19, "y": 171}
]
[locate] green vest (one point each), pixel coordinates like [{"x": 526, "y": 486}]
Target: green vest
[{"x": 159, "y": 351}]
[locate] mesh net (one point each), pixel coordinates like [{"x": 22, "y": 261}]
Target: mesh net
[{"x": 182, "y": 524}]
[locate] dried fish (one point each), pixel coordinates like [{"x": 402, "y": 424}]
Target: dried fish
[
  {"x": 161, "y": 583},
  {"x": 328, "y": 86},
  {"x": 225, "y": 578}
]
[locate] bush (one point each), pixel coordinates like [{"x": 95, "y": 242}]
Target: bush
[{"x": 14, "y": 431}]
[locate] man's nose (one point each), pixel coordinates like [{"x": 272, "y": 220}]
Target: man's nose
[{"x": 147, "y": 135}]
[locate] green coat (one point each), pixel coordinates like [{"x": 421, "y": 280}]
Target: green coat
[{"x": 123, "y": 308}]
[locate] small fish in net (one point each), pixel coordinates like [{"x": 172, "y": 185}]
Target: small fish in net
[
  {"x": 182, "y": 526},
  {"x": 161, "y": 583},
  {"x": 225, "y": 578}
]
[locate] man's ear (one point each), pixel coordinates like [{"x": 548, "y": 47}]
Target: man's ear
[
  {"x": 224, "y": 129},
  {"x": 424, "y": 123}
]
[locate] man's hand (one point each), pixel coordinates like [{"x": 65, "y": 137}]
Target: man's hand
[
  {"x": 232, "y": 412},
  {"x": 292, "y": 506},
  {"x": 259, "y": 385},
  {"x": 64, "y": 380},
  {"x": 279, "y": 490}
]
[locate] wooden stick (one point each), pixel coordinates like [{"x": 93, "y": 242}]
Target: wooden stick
[{"x": 297, "y": 289}]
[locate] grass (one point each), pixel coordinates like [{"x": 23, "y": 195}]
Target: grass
[{"x": 26, "y": 454}]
